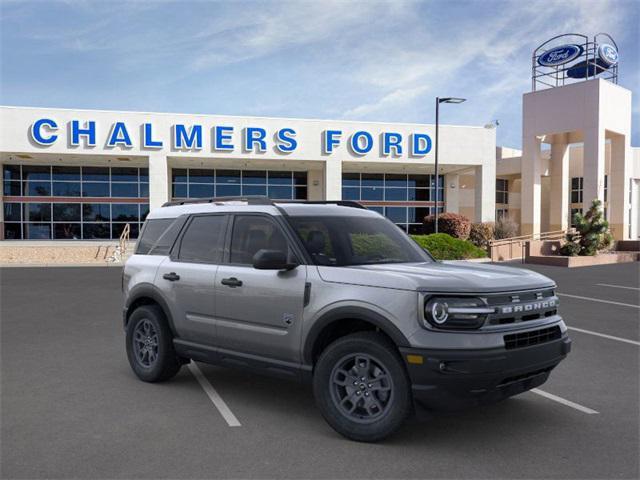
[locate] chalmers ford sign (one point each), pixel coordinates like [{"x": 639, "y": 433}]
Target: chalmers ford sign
[{"x": 221, "y": 138}]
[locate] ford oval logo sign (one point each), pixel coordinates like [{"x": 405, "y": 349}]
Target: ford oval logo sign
[
  {"x": 560, "y": 55},
  {"x": 608, "y": 54}
]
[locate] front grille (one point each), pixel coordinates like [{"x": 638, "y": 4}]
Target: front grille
[
  {"x": 523, "y": 306},
  {"x": 534, "y": 337}
]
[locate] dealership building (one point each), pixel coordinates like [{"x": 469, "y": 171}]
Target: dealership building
[{"x": 85, "y": 174}]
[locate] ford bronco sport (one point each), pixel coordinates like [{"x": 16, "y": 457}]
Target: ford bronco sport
[{"x": 338, "y": 295}]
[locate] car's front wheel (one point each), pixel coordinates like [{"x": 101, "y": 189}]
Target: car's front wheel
[
  {"x": 150, "y": 345},
  {"x": 361, "y": 387}
]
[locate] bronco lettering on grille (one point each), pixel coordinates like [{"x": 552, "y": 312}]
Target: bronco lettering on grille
[{"x": 528, "y": 307}]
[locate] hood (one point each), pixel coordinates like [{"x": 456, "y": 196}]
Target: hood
[{"x": 463, "y": 277}]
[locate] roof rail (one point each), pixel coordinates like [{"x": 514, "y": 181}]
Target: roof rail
[
  {"x": 250, "y": 199},
  {"x": 262, "y": 200}
]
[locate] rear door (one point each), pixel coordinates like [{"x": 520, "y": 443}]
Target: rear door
[
  {"x": 187, "y": 278},
  {"x": 259, "y": 312}
]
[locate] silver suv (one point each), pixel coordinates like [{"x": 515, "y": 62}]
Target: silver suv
[{"x": 337, "y": 295}]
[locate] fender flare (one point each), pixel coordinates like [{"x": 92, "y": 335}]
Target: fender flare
[
  {"x": 351, "y": 312},
  {"x": 150, "y": 291}
]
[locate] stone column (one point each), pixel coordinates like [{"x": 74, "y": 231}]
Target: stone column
[
  {"x": 559, "y": 195},
  {"x": 315, "y": 180},
  {"x": 158, "y": 180},
  {"x": 531, "y": 188},
  {"x": 452, "y": 192},
  {"x": 333, "y": 179},
  {"x": 618, "y": 188},
  {"x": 593, "y": 167},
  {"x": 485, "y": 192}
]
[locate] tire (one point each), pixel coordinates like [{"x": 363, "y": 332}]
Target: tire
[
  {"x": 384, "y": 400},
  {"x": 150, "y": 345}
]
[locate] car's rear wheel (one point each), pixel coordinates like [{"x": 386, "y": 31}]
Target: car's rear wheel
[
  {"x": 150, "y": 345},
  {"x": 361, "y": 387}
]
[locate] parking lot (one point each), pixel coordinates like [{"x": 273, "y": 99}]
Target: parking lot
[{"x": 71, "y": 407}]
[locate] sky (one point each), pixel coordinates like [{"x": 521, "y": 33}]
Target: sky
[{"x": 344, "y": 60}]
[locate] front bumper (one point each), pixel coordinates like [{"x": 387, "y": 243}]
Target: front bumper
[{"x": 452, "y": 379}]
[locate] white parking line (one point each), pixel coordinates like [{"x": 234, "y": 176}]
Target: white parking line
[
  {"x": 213, "y": 395},
  {"x": 616, "y": 286},
  {"x": 610, "y": 337},
  {"x": 564, "y": 401},
  {"x": 599, "y": 300}
]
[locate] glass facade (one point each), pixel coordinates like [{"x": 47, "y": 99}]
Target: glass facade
[
  {"x": 77, "y": 202},
  {"x": 404, "y": 198},
  {"x": 204, "y": 183}
]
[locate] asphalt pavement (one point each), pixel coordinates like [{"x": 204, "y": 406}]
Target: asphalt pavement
[{"x": 71, "y": 407}]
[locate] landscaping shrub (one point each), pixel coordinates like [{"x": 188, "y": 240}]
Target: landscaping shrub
[
  {"x": 481, "y": 234},
  {"x": 456, "y": 225},
  {"x": 592, "y": 233},
  {"x": 445, "y": 247},
  {"x": 505, "y": 228}
]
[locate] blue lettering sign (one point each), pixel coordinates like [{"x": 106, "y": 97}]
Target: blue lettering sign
[
  {"x": 391, "y": 140},
  {"x": 147, "y": 138},
  {"x": 36, "y": 131},
  {"x": 223, "y": 135},
  {"x": 89, "y": 131},
  {"x": 255, "y": 136},
  {"x": 359, "y": 147},
  {"x": 420, "y": 144},
  {"x": 286, "y": 140},
  {"x": 186, "y": 139},
  {"x": 331, "y": 139},
  {"x": 119, "y": 136}
]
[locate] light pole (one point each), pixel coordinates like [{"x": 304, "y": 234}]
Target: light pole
[{"x": 438, "y": 102}]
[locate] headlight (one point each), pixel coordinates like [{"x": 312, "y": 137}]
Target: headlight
[{"x": 456, "y": 313}]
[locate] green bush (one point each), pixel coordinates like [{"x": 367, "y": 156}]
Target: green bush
[
  {"x": 481, "y": 234},
  {"x": 445, "y": 247},
  {"x": 454, "y": 224},
  {"x": 592, "y": 233},
  {"x": 366, "y": 245}
]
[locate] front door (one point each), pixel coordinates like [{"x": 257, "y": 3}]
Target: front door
[
  {"x": 259, "y": 312},
  {"x": 187, "y": 279}
]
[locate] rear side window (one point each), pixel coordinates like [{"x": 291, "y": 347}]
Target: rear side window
[
  {"x": 202, "y": 242},
  {"x": 152, "y": 231}
]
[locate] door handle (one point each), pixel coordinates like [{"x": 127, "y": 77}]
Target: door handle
[
  {"x": 172, "y": 277},
  {"x": 231, "y": 282}
]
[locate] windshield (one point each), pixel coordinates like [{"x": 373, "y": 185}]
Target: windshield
[{"x": 349, "y": 240}]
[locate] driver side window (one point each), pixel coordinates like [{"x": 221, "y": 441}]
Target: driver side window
[{"x": 252, "y": 233}]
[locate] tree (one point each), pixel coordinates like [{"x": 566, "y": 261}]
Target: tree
[{"x": 591, "y": 235}]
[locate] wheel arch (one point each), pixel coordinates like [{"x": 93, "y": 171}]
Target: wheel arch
[
  {"x": 147, "y": 294},
  {"x": 330, "y": 323}
]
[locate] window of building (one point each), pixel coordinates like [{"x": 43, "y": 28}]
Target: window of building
[
  {"x": 502, "y": 190},
  {"x": 576, "y": 189},
  {"x": 401, "y": 189},
  {"x": 202, "y": 242},
  {"x": 205, "y": 183},
  {"x": 114, "y": 197},
  {"x": 606, "y": 187},
  {"x": 502, "y": 213}
]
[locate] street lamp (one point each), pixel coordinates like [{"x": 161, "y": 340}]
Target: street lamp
[{"x": 438, "y": 102}]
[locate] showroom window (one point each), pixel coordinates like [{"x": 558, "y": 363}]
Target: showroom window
[
  {"x": 77, "y": 202},
  {"x": 418, "y": 190},
  {"x": 205, "y": 183}
]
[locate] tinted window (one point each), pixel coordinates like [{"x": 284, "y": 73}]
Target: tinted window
[
  {"x": 151, "y": 232},
  {"x": 202, "y": 242},
  {"x": 352, "y": 240},
  {"x": 252, "y": 233}
]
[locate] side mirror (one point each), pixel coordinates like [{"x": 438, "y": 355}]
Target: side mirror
[{"x": 272, "y": 260}]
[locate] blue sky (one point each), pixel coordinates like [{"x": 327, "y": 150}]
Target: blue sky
[{"x": 369, "y": 60}]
